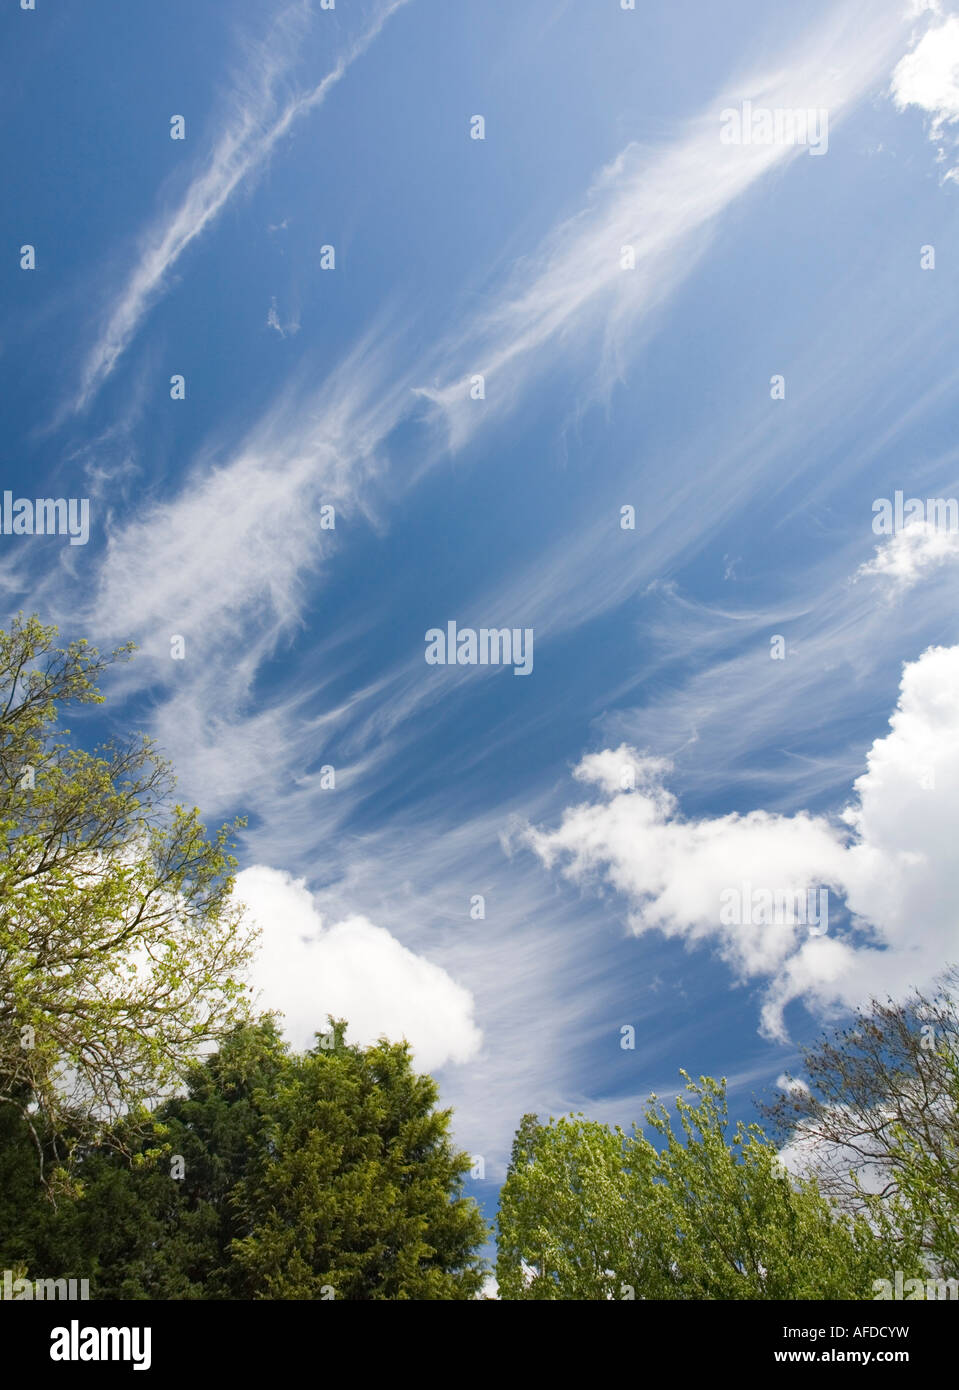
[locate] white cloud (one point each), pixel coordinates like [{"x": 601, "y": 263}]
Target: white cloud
[
  {"x": 673, "y": 871},
  {"x": 893, "y": 861},
  {"x": 663, "y": 204},
  {"x": 228, "y": 556},
  {"x": 908, "y": 556},
  {"x": 928, "y": 77},
  {"x": 809, "y": 1155},
  {"x": 353, "y": 970},
  {"x": 273, "y": 321}
]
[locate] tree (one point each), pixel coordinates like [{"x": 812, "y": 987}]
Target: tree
[
  {"x": 361, "y": 1190},
  {"x": 588, "y": 1212},
  {"x": 876, "y": 1118},
  {"x": 121, "y": 948},
  {"x": 131, "y": 1227},
  {"x": 736, "y": 1225},
  {"x": 567, "y": 1223},
  {"x": 301, "y": 1177}
]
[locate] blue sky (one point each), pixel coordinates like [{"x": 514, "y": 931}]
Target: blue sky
[{"x": 607, "y": 386}]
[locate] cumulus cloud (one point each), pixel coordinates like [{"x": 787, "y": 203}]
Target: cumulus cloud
[
  {"x": 353, "y": 970},
  {"x": 911, "y": 554},
  {"x": 928, "y": 77},
  {"x": 890, "y": 857}
]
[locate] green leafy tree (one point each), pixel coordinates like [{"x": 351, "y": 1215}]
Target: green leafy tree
[
  {"x": 589, "y": 1212},
  {"x": 361, "y": 1191},
  {"x": 121, "y": 947},
  {"x": 876, "y": 1118},
  {"x": 734, "y": 1225},
  {"x": 303, "y": 1177},
  {"x": 567, "y": 1224}
]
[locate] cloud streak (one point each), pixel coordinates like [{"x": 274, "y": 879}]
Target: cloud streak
[
  {"x": 239, "y": 153},
  {"x": 660, "y": 206}
]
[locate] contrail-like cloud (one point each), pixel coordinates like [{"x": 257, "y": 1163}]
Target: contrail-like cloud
[
  {"x": 663, "y": 205},
  {"x": 239, "y": 153}
]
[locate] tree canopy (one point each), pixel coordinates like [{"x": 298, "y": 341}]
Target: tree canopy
[
  {"x": 708, "y": 1212},
  {"x": 121, "y": 947},
  {"x": 876, "y": 1116},
  {"x": 318, "y": 1176}
]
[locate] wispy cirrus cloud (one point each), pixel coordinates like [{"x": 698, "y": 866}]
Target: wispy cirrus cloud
[
  {"x": 661, "y": 205},
  {"x": 239, "y": 153},
  {"x": 233, "y": 556},
  {"x": 229, "y": 554}
]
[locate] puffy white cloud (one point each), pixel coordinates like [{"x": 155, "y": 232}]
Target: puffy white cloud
[
  {"x": 891, "y": 857},
  {"x": 353, "y": 970},
  {"x": 675, "y": 871},
  {"x": 908, "y": 556},
  {"x": 928, "y": 77}
]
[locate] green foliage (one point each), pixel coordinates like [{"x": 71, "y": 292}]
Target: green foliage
[
  {"x": 302, "y": 1175},
  {"x": 588, "y": 1212},
  {"x": 923, "y": 1208},
  {"x": 879, "y": 1117},
  {"x": 121, "y": 948},
  {"x": 361, "y": 1190},
  {"x": 566, "y": 1213}
]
